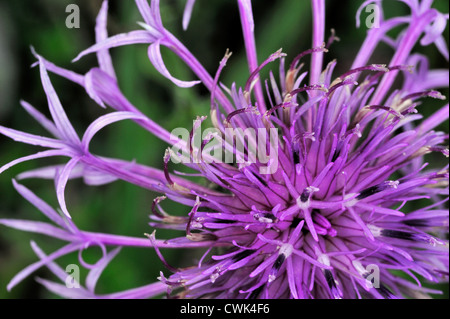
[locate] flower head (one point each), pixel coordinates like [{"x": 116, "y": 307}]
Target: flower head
[{"x": 308, "y": 212}]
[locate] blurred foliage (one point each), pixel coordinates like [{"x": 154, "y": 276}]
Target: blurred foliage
[{"x": 120, "y": 207}]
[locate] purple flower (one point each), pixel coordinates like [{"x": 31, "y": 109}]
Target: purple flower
[{"x": 324, "y": 217}]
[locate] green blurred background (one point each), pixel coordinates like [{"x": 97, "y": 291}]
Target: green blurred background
[{"x": 119, "y": 207}]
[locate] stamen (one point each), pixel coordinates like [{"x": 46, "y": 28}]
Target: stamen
[
  {"x": 166, "y": 158},
  {"x": 158, "y": 252},
  {"x": 210, "y": 136},
  {"x": 262, "y": 217},
  {"x": 443, "y": 150},
  {"x": 338, "y": 85},
  {"x": 416, "y": 222},
  {"x": 336, "y": 155},
  {"x": 156, "y": 201},
  {"x": 213, "y": 277},
  {"x": 254, "y": 76},
  {"x": 310, "y": 51},
  {"x": 377, "y": 188},
  {"x": 296, "y": 157},
  {"x": 243, "y": 110},
  {"x": 319, "y": 87},
  {"x": 385, "y": 292},
  {"x": 159, "y": 212},
  {"x": 305, "y": 196},
  {"x": 372, "y": 67},
  {"x": 431, "y": 93},
  {"x": 243, "y": 254},
  {"x": 201, "y": 237},
  {"x": 291, "y": 77},
  {"x": 198, "y": 121},
  {"x": 410, "y": 236},
  {"x": 407, "y": 68},
  {"x": 397, "y": 234},
  {"x": 191, "y": 216},
  {"x": 222, "y": 64},
  {"x": 284, "y": 253},
  {"x": 255, "y": 293},
  {"x": 356, "y": 130},
  {"x": 332, "y": 38},
  {"x": 386, "y": 108},
  {"x": 276, "y": 267},
  {"x": 279, "y": 106},
  {"x": 336, "y": 294}
]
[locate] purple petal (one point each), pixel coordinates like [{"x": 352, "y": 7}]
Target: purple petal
[
  {"x": 105, "y": 120},
  {"x": 101, "y": 87},
  {"x": 61, "y": 182},
  {"x": 91, "y": 176},
  {"x": 43, "y": 154},
  {"x": 156, "y": 13},
  {"x": 154, "y": 53},
  {"x": 442, "y": 46},
  {"x": 63, "y": 291},
  {"x": 38, "y": 227},
  {"x": 405, "y": 46},
  {"x": 38, "y": 116},
  {"x": 146, "y": 12},
  {"x": 31, "y": 139},
  {"x": 318, "y": 7},
  {"x": 70, "y": 75},
  {"x": 55, "y": 268},
  {"x": 94, "y": 177},
  {"x": 59, "y": 116},
  {"x": 101, "y": 34},
  {"x": 94, "y": 274},
  {"x": 143, "y": 292},
  {"x": 50, "y": 172},
  {"x": 33, "y": 267},
  {"x": 187, "y": 13},
  {"x": 434, "y": 120},
  {"x": 248, "y": 30},
  {"x": 133, "y": 37},
  {"x": 435, "y": 30},
  {"x": 39, "y": 204}
]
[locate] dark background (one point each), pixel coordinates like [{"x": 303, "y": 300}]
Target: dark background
[{"x": 122, "y": 208}]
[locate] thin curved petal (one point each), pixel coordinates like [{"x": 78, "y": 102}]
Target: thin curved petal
[
  {"x": 59, "y": 116},
  {"x": 43, "y": 154},
  {"x": 95, "y": 273},
  {"x": 101, "y": 34},
  {"x": 38, "y": 116},
  {"x": 31, "y": 139},
  {"x": 39, "y": 204},
  {"x": 133, "y": 37},
  {"x": 143, "y": 292},
  {"x": 37, "y": 227},
  {"x": 61, "y": 182},
  {"x": 187, "y": 13},
  {"x": 105, "y": 120},
  {"x": 35, "y": 266},
  {"x": 64, "y": 291},
  {"x": 154, "y": 54}
]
